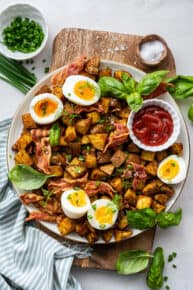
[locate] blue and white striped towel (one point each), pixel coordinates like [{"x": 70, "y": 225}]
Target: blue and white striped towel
[{"x": 29, "y": 259}]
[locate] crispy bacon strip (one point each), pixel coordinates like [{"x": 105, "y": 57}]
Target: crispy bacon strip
[
  {"x": 94, "y": 187},
  {"x": 43, "y": 155},
  {"x": 96, "y": 107},
  {"x": 58, "y": 186},
  {"x": 38, "y": 215},
  {"x": 72, "y": 69},
  {"x": 139, "y": 174},
  {"x": 119, "y": 136},
  {"x": 28, "y": 198},
  {"x": 37, "y": 134},
  {"x": 161, "y": 89}
]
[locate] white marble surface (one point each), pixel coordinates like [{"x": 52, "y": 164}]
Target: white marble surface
[{"x": 173, "y": 20}]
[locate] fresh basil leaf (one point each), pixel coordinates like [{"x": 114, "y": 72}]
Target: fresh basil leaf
[
  {"x": 168, "y": 219},
  {"x": 180, "y": 87},
  {"x": 128, "y": 82},
  {"x": 150, "y": 82},
  {"x": 155, "y": 274},
  {"x": 117, "y": 200},
  {"x": 141, "y": 218},
  {"x": 111, "y": 86},
  {"x": 27, "y": 178},
  {"x": 135, "y": 101},
  {"x": 132, "y": 261}
]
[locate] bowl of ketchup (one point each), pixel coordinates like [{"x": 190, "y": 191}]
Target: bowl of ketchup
[{"x": 155, "y": 127}]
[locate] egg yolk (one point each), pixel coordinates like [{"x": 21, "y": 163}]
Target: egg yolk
[
  {"x": 84, "y": 90},
  {"x": 169, "y": 169},
  {"x": 78, "y": 198},
  {"x": 46, "y": 107},
  {"x": 104, "y": 215}
]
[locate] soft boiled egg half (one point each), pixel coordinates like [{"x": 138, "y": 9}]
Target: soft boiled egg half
[
  {"x": 102, "y": 214},
  {"x": 81, "y": 90},
  {"x": 172, "y": 170},
  {"x": 75, "y": 203},
  {"x": 46, "y": 108}
]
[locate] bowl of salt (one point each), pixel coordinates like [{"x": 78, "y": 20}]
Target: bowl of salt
[{"x": 152, "y": 50}]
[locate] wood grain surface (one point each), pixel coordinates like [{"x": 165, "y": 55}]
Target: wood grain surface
[{"x": 68, "y": 44}]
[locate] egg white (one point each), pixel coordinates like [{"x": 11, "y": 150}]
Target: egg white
[
  {"x": 47, "y": 119},
  {"x": 68, "y": 90},
  {"x": 182, "y": 170},
  {"x": 91, "y": 214},
  {"x": 69, "y": 209}
]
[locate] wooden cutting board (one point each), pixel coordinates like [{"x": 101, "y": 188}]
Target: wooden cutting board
[{"x": 70, "y": 43}]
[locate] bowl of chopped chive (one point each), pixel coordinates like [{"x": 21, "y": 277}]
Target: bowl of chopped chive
[{"x": 23, "y": 31}]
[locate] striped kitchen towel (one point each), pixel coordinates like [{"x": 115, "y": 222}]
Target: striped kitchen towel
[{"x": 29, "y": 259}]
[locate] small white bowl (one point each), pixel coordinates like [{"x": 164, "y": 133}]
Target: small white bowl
[
  {"x": 176, "y": 126},
  {"x": 23, "y": 10}
]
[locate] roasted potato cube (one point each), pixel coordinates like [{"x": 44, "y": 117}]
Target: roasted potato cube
[
  {"x": 132, "y": 157},
  {"x": 143, "y": 202},
  {"x": 75, "y": 148},
  {"x": 98, "y": 140},
  {"x": 107, "y": 235},
  {"x": 76, "y": 170},
  {"x": 82, "y": 229},
  {"x": 118, "y": 158},
  {"x": 22, "y": 157},
  {"x": 85, "y": 140},
  {"x": 105, "y": 72},
  {"x": 151, "y": 168},
  {"x": 117, "y": 184},
  {"x": 159, "y": 156},
  {"x": 122, "y": 222},
  {"x": 86, "y": 74},
  {"x": 28, "y": 122},
  {"x": 98, "y": 128},
  {"x": 70, "y": 134},
  {"x": 94, "y": 116},
  {"x": 167, "y": 189},
  {"x": 23, "y": 141},
  {"x": 58, "y": 159},
  {"x": 43, "y": 89},
  {"x": 157, "y": 207},
  {"x": 83, "y": 125},
  {"x": 92, "y": 66},
  {"x": 103, "y": 158},
  {"x": 108, "y": 168},
  {"x": 124, "y": 113},
  {"x": 122, "y": 235},
  {"x": 161, "y": 198},
  {"x": 105, "y": 103},
  {"x": 118, "y": 74},
  {"x": 130, "y": 196},
  {"x": 56, "y": 170},
  {"x": 57, "y": 91},
  {"x": 92, "y": 237},
  {"x": 62, "y": 141},
  {"x": 147, "y": 155},
  {"x": 90, "y": 161},
  {"x": 151, "y": 188},
  {"x": 66, "y": 226},
  {"x": 76, "y": 161},
  {"x": 133, "y": 148},
  {"x": 140, "y": 184},
  {"x": 176, "y": 148},
  {"x": 97, "y": 174}
]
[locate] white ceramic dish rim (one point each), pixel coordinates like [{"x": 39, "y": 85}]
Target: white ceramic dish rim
[
  {"x": 19, "y": 55},
  {"x": 176, "y": 123},
  {"x": 10, "y": 163}
]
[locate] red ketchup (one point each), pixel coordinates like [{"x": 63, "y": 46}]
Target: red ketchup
[{"x": 153, "y": 125}]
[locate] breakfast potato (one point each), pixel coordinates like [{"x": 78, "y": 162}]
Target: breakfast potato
[
  {"x": 124, "y": 113},
  {"x": 118, "y": 158},
  {"x": 116, "y": 183},
  {"x": 176, "y": 148},
  {"x": 85, "y": 140},
  {"x": 92, "y": 237},
  {"x": 105, "y": 102},
  {"x": 122, "y": 222},
  {"x": 147, "y": 155},
  {"x": 75, "y": 148},
  {"x": 28, "y": 122},
  {"x": 44, "y": 89},
  {"x": 86, "y": 74},
  {"x": 94, "y": 116},
  {"x": 105, "y": 72},
  {"x": 121, "y": 235},
  {"x": 151, "y": 188},
  {"x": 98, "y": 141},
  {"x": 22, "y": 157},
  {"x": 130, "y": 196},
  {"x": 164, "y": 188},
  {"x": 57, "y": 91},
  {"x": 157, "y": 207},
  {"x": 97, "y": 174},
  {"x": 107, "y": 235},
  {"x": 151, "y": 168},
  {"x": 23, "y": 142},
  {"x": 76, "y": 170},
  {"x": 56, "y": 170},
  {"x": 108, "y": 168},
  {"x": 118, "y": 74},
  {"x": 98, "y": 128},
  {"x": 103, "y": 158},
  {"x": 132, "y": 148},
  {"x": 159, "y": 156},
  {"x": 82, "y": 229},
  {"x": 92, "y": 66},
  {"x": 90, "y": 160},
  {"x": 132, "y": 157},
  {"x": 66, "y": 226},
  {"x": 161, "y": 198},
  {"x": 63, "y": 141},
  {"x": 83, "y": 125},
  {"x": 70, "y": 134},
  {"x": 143, "y": 202}
]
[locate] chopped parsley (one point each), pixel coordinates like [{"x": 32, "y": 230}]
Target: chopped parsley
[
  {"x": 89, "y": 217},
  {"x": 102, "y": 226},
  {"x": 81, "y": 157},
  {"x": 97, "y": 183},
  {"x": 94, "y": 206},
  {"x": 68, "y": 157}
]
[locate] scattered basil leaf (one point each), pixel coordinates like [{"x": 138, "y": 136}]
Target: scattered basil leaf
[
  {"x": 168, "y": 219},
  {"x": 190, "y": 113},
  {"x": 27, "y": 178},
  {"x": 117, "y": 200},
  {"x": 142, "y": 218},
  {"x": 132, "y": 261},
  {"x": 150, "y": 82},
  {"x": 135, "y": 101},
  {"x": 155, "y": 274},
  {"x": 111, "y": 86},
  {"x": 180, "y": 87},
  {"x": 128, "y": 82}
]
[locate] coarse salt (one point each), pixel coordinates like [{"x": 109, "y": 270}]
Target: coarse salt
[{"x": 152, "y": 50}]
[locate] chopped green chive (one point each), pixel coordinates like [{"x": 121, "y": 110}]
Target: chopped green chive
[{"x": 94, "y": 206}]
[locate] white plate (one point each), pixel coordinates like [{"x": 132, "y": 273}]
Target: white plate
[{"x": 16, "y": 128}]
